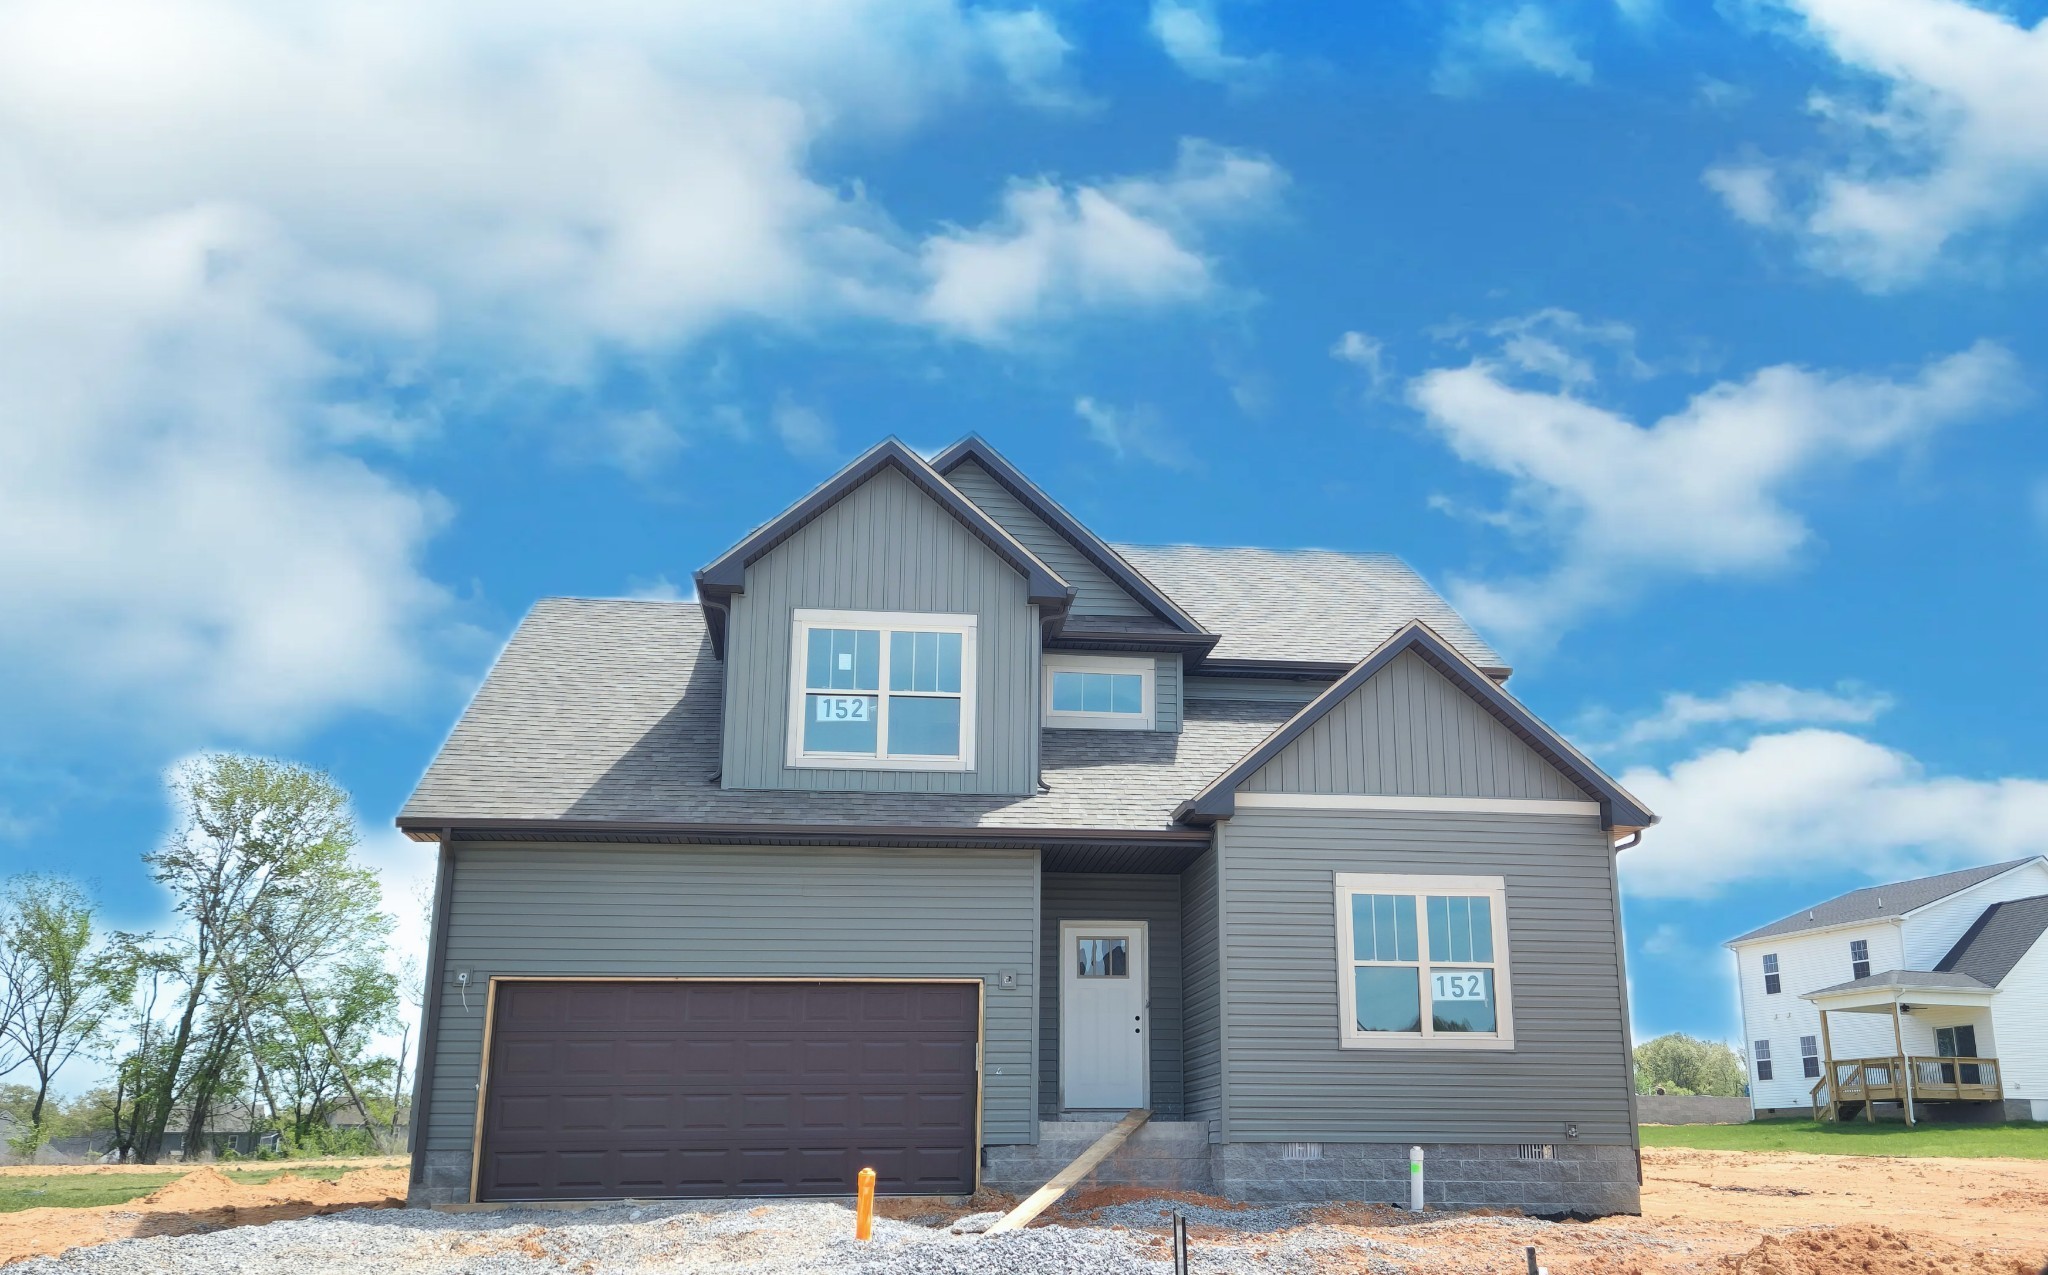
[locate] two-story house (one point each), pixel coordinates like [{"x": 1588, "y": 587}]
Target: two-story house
[
  {"x": 935, "y": 828},
  {"x": 1865, "y": 1001}
]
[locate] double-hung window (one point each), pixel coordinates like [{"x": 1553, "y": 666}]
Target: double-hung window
[
  {"x": 1859, "y": 958},
  {"x": 1422, "y": 962},
  {"x": 882, "y": 690},
  {"x": 1809, "y": 1056},
  {"x": 1762, "y": 1058},
  {"x": 1771, "y": 983}
]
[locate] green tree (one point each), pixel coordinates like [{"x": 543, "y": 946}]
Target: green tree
[
  {"x": 59, "y": 991},
  {"x": 1688, "y": 1065},
  {"x": 260, "y": 870}
]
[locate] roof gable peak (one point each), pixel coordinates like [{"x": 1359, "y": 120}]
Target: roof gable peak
[
  {"x": 1619, "y": 809},
  {"x": 726, "y": 575}
]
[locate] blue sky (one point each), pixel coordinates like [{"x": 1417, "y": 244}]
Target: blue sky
[{"x": 1696, "y": 351}]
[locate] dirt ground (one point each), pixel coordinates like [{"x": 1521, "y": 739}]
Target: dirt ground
[
  {"x": 203, "y": 1200},
  {"x": 1704, "y": 1213}
]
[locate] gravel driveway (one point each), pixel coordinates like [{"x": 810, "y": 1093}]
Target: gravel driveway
[{"x": 743, "y": 1237}]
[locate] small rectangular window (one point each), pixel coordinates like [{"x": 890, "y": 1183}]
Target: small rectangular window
[
  {"x": 1102, "y": 958},
  {"x": 1423, "y": 961},
  {"x": 1771, "y": 983},
  {"x": 1763, "y": 1060},
  {"x": 885, "y": 690},
  {"x": 1099, "y": 692},
  {"x": 1809, "y": 1056},
  {"x": 1859, "y": 958}
]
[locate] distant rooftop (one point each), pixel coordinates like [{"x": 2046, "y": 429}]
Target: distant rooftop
[{"x": 1875, "y": 902}]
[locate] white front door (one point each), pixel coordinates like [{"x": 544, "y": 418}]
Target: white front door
[{"x": 1105, "y": 1040}]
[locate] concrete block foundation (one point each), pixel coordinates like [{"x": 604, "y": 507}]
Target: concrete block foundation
[
  {"x": 1565, "y": 1178},
  {"x": 445, "y": 1180}
]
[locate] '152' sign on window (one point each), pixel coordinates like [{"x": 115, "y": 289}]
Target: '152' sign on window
[
  {"x": 1459, "y": 987},
  {"x": 843, "y": 708}
]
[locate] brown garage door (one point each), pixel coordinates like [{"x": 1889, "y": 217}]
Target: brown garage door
[{"x": 599, "y": 1090}]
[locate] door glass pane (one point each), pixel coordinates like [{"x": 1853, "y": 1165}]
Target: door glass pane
[
  {"x": 1387, "y": 999},
  {"x": 1461, "y": 1000},
  {"x": 1102, "y": 958},
  {"x": 839, "y": 723},
  {"x": 924, "y": 727}
]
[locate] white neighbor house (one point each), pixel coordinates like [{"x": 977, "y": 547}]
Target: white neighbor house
[{"x": 1949, "y": 966}]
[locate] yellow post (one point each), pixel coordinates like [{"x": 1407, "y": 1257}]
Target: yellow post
[{"x": 864, "y": 1206}]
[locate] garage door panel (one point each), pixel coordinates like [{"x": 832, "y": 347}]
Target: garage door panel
[{"x": 729, "y": 1089}]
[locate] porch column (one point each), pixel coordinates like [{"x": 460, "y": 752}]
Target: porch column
[
  {"x": 1905, "y": 1064},
  {"x": 1827, "y": 1056}
]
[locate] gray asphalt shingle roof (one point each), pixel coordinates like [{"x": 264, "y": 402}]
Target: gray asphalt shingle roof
[
  {"x": 1901, "y": 980},
  {"x": 1997, "y": 940},
  {"x": 609, "y": 710},
  {"x": 1302, "y": 604},
  {"x": 1878, "y": 901}
]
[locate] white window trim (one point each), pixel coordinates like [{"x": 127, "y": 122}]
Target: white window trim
[
  {"x": 1494, "y": 888},
  {"x": 887, "y": 621},
  {"x": 1143, "y": 665}
]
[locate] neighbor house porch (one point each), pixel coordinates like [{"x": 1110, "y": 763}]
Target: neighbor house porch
[{"x": 1942, "y": 1063}]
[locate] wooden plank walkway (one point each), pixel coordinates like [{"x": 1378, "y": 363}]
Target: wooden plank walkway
[{"x": 1068, "y": 1178}]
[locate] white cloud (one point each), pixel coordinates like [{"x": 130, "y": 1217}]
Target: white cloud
[
  {"x": 1807, "y": 804},
  {"x": 1749, "y": 190},
  {"x": 1756, "y": 704},
  {"x": 1666, "y": 940},
  {"x": 1191, "y": 35},
  {"x": 1129, "y": 242},
  {"x": 251, "y": 249},
  {"x": 1486, "y": 38},
  {"x": 659, "y": 589},
  {"x": 1956, "y": 144},
  {"x": 1366, "y": 353},
  {"x": 804, "y": 431},
  {"x": 1705, "y": 490},
  {"x": 1028, "y": 46},
  {"x": 1133, "y": 434}
]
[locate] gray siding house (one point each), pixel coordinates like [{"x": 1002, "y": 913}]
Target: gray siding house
[{"x": 936, "y": 831}]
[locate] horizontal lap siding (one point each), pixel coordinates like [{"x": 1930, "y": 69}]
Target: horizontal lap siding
[
  {"x": 885, "y": 547},
  {"x": 1410, "y": 731},
  {"x": 1202, "y": 998},
  {"x": 1166, "y": 694},
  {"x": 745, "y": 912},
  {"x": 1094, "y": 592},
  {"x": 1289, "y": 1080},
  {"x": 1155, "y": 900}
]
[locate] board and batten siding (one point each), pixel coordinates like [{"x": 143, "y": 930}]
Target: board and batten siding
[
  {"x": 1090, "y": 896},
  {"x": 885, "y": 546},
  {"x": 612, "y": 911},
  {"x": 1094, "y": 592},
  {"x": 1412, "y": 732},
  {"x": 1166, "y": 712},
  {"x": 1287, "y": 1078},
  {"x": 1202, "y": 994}
]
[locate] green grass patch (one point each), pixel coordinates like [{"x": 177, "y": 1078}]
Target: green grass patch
[
  {"x": 89, "y": 1190},
  {"x": 1852, "y": 1137}
]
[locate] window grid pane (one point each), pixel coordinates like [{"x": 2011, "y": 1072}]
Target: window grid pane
[
  {"x": 918, "y": 665},
  {"x": 1459, "y": 932},
  {"x": 1079, "y": 692}
]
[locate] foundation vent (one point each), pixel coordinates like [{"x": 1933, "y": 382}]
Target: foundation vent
[
  {"x": 1536, "y": 1151},
  {"x": 1301, "y": 1151}
]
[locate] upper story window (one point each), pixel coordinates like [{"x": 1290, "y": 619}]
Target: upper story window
[
  {"x": 1771, "y": 984},
  {"x": 1859, "y": 958},
  {"x": 1761, "y": 1056},
  {"x": 1423, "y": 962},
  {"x": 882, "y": 690},
  {"x": 1099, "y": 692}
]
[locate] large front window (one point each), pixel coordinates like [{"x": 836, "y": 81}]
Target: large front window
[
  {"x": 1423, "y": 961},
  {"x": 882, "y": 690}
]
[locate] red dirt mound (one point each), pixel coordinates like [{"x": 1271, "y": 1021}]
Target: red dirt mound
[{"x": 1865, "y": 1250}]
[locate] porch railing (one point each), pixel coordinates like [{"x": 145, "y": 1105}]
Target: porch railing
[{"x": 1868, "y": 1080}]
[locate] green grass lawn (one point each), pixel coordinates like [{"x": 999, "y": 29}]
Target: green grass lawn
[
  {"x": 1853, "y": 1137},
  {"x": 85, "y": 1190}
]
